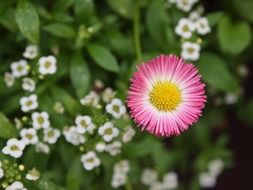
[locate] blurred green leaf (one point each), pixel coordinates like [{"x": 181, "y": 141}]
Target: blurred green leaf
[
  {"x": 28, "y": 20},
  {"x": 214, "y": 18},
  {"x": 216, "y": 74},
  {"x": 245, "y": 113},
  {"x": 74, "y": 176},
  {"x": 79, "y": 75},
  {"x": 62, "y": 5},
  {"x": 84, "y": 9},
  {"x": 103, "y": 57},
  {"x": 7, "y": 19},
  {"x": 6, "y": 128},
  {"x": 157, "y": 21},
  {"x": 123, "y": 7},
  {"x": 233, "y": 37},
  {"x": 60, "y": 30},
  {"x": 63, "y": 17},
  {"x": 244, "y": 8}
]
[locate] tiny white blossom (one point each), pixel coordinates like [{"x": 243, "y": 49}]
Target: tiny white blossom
[
  {"x": 194, "y": 15},
  {"x": 18, "y": 123},
  {"x": 14, "y": 148},
  {"x": 184, "y": 28},
  {"x": 33, "y": 175},
  {"x": 230, "y": 98},
  {"x": 156, "y": 186},
  {"x": 42, "y": 147},
  {"x": 84, "y": 124},
  {"x": 149, "y": 176},
  {"x": 170, "y": 181},
  {"x": 72, "y": 135},
  {"x": 100, "y": 147},
  {"x": 122, "y": 167},
  {"x": 29, "y": 103},
  {"x": 31, "y": 51},
  {"x": 116, "y": 108},
  {"x": 92, "y": 99},
  {"x": 118, "y": 180},
  {"x": 243, "y": 70},
  {"x": 90, "y": 160},
  {"x": 19, "y": 68},
  {"x": 9, "y": 79},
  {"x": 216, "y": 167},
  {"x": 207, "y": 180},
  {"x": 202, "y": 26},
  {"x": 108, "y": 94},
  {"x": 28, "y": 84},
  {"x": 47, "y": 65},
  {"x": 108, "y": 131},
  {"x": 128, "y": 135},
  {"x": 29, "y": 136},
  {"x": 40, "y": 120},
  {"x": 51, "y": 135},
  {"x": 17, "y": 185},
  {"x": 1, "y": 171},
  {"x": 185, "y": 5},
  {"x": 98, "y": 84},
  {"x": 114, "y": 148},
  {"x": 190, "y": 51},
  {"x": 58, "y": 108}
]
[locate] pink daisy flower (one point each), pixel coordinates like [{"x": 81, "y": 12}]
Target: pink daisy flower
[{"x": 166, "y": 95}]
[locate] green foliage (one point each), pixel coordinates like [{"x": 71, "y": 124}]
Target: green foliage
[
  {"x": 60, "y": 30},
  {"x": 6, "y": 128}
]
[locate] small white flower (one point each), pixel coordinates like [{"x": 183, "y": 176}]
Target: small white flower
[
  {"x": 18, "y": 123},
  {"x": 14, "y": 148},
  {"x": 51, "y": 135},
  {"x": 90, "y": 160},
  {"x": 19, "y": 68},
  {"x": 190, "y": 51},
  {"x": 149, "y": 176},
  {"x": 33, "y": 175},
  {"x": 156, "y": 186},
  {"x": 40, "y": 120},
  {"x": 92, "y": 99},
  {"x": 28, "y": 84},
  {"x": 230, "y": 98},
  {"x": 31, "y": 51},
  {"x": 100, "y": 147},
  {"x": 108, "y": 131},
  {"x": 118, "y": 180},
  {"x": 1, "y": 173},
  {"x": 58, "y": 108},
  {"x": 216, "y": 167},
  {"x": 29, "y": 103},
  {"x": 42, "y": 147},
  {"x": 243, "y": 70},
  {"x": 116, "y": 108},
  {"x": 194, "y": 15},
  {"x": 17, "y": 185},
  {"x": 185, "y": 5},
  {"x": 207, "y": 180},
  {"x": 47, "y": 65},
  {"x": 98, "y": 84},
  {"x": 184, "y": 28},
  {"x": 84, "y": 124},
  {"x": 121, "y": 167},
  {"x": 29, "y": 136},
  {"x": 9, "y": 79},
  {"x": 170, "y": 181},
  {"x": 72, "y": 135},
  {"x": 114, "y": 148},
  {"x": 202, "y": 26},
  {"x": 128, "y": 135},
  {"x": 108, "y": 94}
]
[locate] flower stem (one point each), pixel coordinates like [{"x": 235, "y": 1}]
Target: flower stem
[{"x": 136, "y": 31}]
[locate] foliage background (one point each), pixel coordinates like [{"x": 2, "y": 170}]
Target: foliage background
[{"x": 101, "y": 40}]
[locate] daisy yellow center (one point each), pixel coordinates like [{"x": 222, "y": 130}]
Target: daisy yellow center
[{"x": 165, "y": 96}]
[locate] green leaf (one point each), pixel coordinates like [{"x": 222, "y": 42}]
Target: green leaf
[
  {"x": 74, "y": 176},
  {"x": 6, "y": 128},
  {"x": 244, "y": 8},
  {"x": 216, "y": 74},
  {"x": 157, "y": 21},
  {"x": 103, "y": 57},
  {"x": 123, "y": 7},
  {"x": 79, "y": 75},
  {"x": 84, "y": 9},
  {"x": 214, "y": 18},
  {"x": 28, "y": 20},
  {"x": 60, "y": 30},
  {"x": 245, "y": 113},
  {"x": 233, "y": 38}
]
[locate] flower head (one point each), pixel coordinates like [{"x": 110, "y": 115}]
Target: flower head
[
  {"x": 29, "y": 136},
  {"x": 28, "y": 84},
  {"x": 29, "y": 103},
  {"x": 90, "y": 160},
  {"x": 9, "y": 79},
  {"x": 17, "y": 185},
  {"x": 84, "y": 124},
  {"x": 190, "y": 51},
  {"x": 116, "y": 108},
  {"x": 47, "y": 65},
  {"x": 19, "y": 68},
  {"x": 42, "y": 147},
  {"x": 202, "y": 26},
  {"x": 40, "y": 120},
  {"x": 51, "y": 135},
  {"x": 14, "y": 148},
  {"x": 185, "y": 5},
  {"x": 108, "y": 131},
  {"x": 31, "y": 51},
  {"x": 92, "y": 99},
  {"x": 166, "y": 96},
  {"x": 33, "y": 175},
  {"x": 184, "y": 28},
  {"x": 72, "y": 135}
]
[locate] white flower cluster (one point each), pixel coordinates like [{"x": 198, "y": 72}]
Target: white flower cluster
[
  {"x": 150, "y": 178},
  {"x": 208, "y": 179},
  {"x": 120, "y": 171},
  {"x": 189, "y": 29}
]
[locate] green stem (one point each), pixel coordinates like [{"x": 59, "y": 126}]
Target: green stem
[
  {"x": 128, "y": 185},
  {"x": 136, "y": 31}
]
